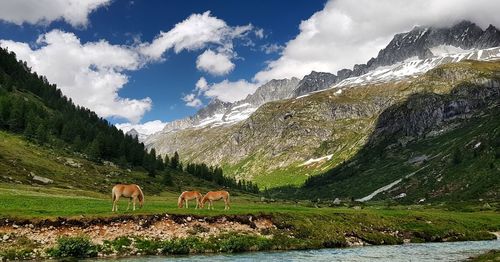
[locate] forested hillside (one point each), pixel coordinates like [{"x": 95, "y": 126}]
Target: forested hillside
[{"x": 32, "y": 107}]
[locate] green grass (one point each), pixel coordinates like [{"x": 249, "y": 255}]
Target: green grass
[
  {"x": 299, "y": 225},
  {"x": 492, "y": 255}
]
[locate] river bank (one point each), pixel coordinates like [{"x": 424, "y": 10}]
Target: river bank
[{"x": 170, "y": 234}]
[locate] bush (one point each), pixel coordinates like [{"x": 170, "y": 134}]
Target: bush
[
  {"x": 78, "y": 247},
  {"x": 241, "y": 243}
]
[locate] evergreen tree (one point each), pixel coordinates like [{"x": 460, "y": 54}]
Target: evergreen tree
[
  {"x": 166, "y": 161},
  {"x": 174, "y": 161}
]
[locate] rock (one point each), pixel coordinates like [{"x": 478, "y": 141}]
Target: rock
[
  {"x": 486, "y": 205},
  {"x": 5, "y": 237},
  {"x": 72, "y": 163},
  {"x": 189, "y": 219},
  {"x": 400, "y": 195},
  {"x": 41, "y": 179},
  {"x": 418, "y": 159},
  {"x": 337, "y": 201}
]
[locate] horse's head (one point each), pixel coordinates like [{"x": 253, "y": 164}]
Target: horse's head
[{"x": 202, "y": 201}]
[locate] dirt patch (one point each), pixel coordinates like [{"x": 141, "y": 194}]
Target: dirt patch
[{"x": 161, "y": 227}]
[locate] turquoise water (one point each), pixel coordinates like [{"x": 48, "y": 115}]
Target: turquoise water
[{"x": 453, "y": 251}]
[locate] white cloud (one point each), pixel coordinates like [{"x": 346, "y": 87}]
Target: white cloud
[
  {"x": 192, "y": 100},
  {"x": 147, "y": 128},
  {"x": 228, "y": 91},
  {"x": 271, "y": 48},
  {"x": 259, "y": 33},
  {"x": 90, "y": 74},
  {"x": 348, "y": 32},
  {"x": 74, "y": 12},
  {"x": 201, "y": 85},
  {"x": 214, "y": 63},
  {"x": 195, "y": 33}
]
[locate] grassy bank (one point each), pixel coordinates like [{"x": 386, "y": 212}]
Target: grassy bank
[{"x": 294, "y": 225}]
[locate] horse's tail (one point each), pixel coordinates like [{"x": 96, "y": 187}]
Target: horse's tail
[
  {"x": 141, "y": 195},
  {"x": 179, "y": 201},
  {"x": 113, "y": 196}
]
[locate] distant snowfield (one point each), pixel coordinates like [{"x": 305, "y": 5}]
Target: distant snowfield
[{"x": 413, "y": 67}]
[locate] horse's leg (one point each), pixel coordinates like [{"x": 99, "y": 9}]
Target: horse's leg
[
  {"x": 128, "y": 205},
  {"x": 116, "y": 202},
  {"x": 197, "y": 201},
  {"x": 211, "y": 205},
  {"x": 187, "y": 203},
  {"x": 133, "y": 202}
]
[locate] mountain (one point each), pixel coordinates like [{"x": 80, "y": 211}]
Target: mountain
[
  {"x": 329, "y": 118},
  {"x": 132, "y": 133},
  {"x": 408, "y": 54},
  {"x": 315, "y": 81}
]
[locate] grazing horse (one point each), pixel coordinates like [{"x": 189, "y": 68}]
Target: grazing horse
[
  {"x": 214, "y": 196},
  {"x": 133, "y": 192},
  {"x": 189, "y": 195}
]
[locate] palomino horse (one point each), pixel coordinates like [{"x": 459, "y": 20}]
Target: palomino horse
[
  {"x": 133, "y": 192},
  {"x": 189, "y": 195},
  {"x": 214, "y": 196}
]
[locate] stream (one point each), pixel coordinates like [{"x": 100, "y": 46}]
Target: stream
[{"x": 451, "y": 251}]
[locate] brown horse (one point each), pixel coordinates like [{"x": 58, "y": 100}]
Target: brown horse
[
  {"x": 189, "y": 195},
  {"x": 133, "y": 192},
  {"x": 215, "y": 196}
]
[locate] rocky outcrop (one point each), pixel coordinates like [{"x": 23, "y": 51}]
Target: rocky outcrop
[
  {"x": 315, "y": 81},
  {"x": 422, "y": 113},
  {"x": 272, "y": 91}
]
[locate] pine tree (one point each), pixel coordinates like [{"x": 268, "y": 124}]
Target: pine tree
[
  {"x": 174, "y": 161},
  {"x": 166, "y": 161}
]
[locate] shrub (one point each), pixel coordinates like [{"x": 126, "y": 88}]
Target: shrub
[{"x": 78, "y": 247}]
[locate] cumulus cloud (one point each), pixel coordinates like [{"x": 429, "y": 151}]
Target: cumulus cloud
[
  {"x": 192, "y": 100},
  {"x": 348, "y": 32},
  {"x": 225, "y": 90},
  {"x": 91, "y": 73},
  {"x": 74, "y": 12},
  {"x": 201, "y": 85},
  {"x": 228, "y": 91},
  {"x": 215, "y": 63},
  {"x": 259, "y": 33},
  {"x": 147, "y": 128},
  {"x": 271, "y": 48},
  {"x": 195, "y": 33}
]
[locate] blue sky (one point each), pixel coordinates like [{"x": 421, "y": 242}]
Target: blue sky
[
  {"x": 142, "y": 63},
  {"x": 165, "y": 82}
]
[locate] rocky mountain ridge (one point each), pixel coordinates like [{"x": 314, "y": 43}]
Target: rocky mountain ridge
[{"x": 408, "y": 54}]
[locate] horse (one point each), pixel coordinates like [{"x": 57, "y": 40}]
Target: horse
[
  {"x": 215, "y": 196},
  {"x": 132, "y": 191},
  {"x": 189, "y": 195}
]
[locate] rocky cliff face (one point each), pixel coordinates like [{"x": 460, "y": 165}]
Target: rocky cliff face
[
  {"x": 272, "y": 91},
  {"x": 423, "y": 113},
  {"x": 315, "y": 81}
]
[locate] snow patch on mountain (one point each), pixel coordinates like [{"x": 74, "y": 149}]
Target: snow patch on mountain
[
  {"x": 413, "y": 67},
  {"x": 315, "y": 160}
]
